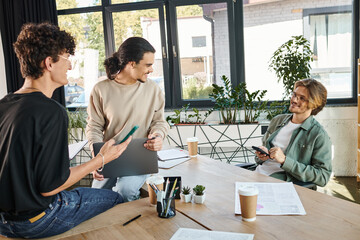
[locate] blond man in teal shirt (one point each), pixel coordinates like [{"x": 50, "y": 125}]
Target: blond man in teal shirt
[{"x": 299, "y": 147}]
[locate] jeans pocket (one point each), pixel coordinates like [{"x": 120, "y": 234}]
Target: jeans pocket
[{"x": 49, "y": 228}]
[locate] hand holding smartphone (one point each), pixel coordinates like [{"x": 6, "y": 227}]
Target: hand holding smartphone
[
  {"x": 260, "y": 150},
  {"x": 130, "y": 133}
]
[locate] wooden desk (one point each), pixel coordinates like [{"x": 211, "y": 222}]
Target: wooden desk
[
  {"x": 327, "y": 217},
  {"x": 109, "y": 225}
]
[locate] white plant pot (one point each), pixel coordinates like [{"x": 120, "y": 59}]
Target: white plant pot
[
  {"x": 199, "y": 198},
  {"x": 186, "y": 198}
]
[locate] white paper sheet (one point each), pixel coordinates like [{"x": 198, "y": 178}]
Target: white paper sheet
[
  {"x": 172, "y": 163},
  {"x": 75, "y": 148},
  {"x": 197, "y": 234},
  {"x": 171, "y": 154},
  {"x": 273, "y": 199}
]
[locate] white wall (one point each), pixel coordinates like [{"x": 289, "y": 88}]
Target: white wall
[
  {"x": 340, "y": 123},
  {"x": 3, "y": 89}
]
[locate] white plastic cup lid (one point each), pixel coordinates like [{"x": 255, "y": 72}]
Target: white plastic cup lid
[
  {"x": 192, "y": 139},
  {"x": 155, "y": 179},
  {"x": 248, "y": 190}
]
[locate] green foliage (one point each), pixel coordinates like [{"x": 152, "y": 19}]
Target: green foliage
[
  {"x": 291, "y": 62},
  {"x": 194, "y": 89},
  {"x": 276, "y": 108},
  {"x": 189, "y": 10},
  {"x": 77, "y": 119},
  {"x": 227, "y": 100},
  {"x": 253, "y": 103},
  {"x": 189, "y": 118},
  {"x": 185, "y": 190},
  {"x": 199, "y": 190}
]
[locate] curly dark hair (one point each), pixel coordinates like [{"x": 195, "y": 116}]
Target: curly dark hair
[
  {"x": 131, "y": 50},
  {"x": 39, "y": 41}
]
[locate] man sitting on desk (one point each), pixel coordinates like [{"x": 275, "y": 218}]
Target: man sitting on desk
[{"x": 299, "y": 147}]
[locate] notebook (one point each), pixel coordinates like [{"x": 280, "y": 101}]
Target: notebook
[
  {"x": 172, "y": 154},
  {"x": 135, "y": 160}
]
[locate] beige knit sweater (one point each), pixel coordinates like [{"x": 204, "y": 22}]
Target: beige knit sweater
[{"x": 114, "y": 109}]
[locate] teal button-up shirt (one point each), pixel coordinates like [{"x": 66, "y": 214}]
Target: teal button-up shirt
[{"x": 308, "y": 155}]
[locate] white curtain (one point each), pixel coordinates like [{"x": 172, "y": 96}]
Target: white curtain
[
  {"x": 330, "y": 38},
  {"x": 3, "y": 88}
]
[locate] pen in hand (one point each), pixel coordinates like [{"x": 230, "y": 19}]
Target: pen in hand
[{"x": 132, "y": 220}]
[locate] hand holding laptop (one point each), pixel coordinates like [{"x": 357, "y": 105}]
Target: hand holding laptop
[{"x": 110, "y": 152}]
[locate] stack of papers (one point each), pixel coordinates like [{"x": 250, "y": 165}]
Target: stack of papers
[
  {"x": 196, "y": 234},
  {"x": 273, "y": 199},
  {"x": 171, "y": 157},
  {"x": 171, "y": 154},
  {"x": 75, "y": 148}
]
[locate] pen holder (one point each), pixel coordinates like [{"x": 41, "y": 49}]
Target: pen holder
[{"x": 166, "y": 209}]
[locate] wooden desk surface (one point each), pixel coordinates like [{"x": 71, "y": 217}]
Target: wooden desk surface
[
  {"x": 327, "y": 217},
  {"x": 109, "y": 225}
]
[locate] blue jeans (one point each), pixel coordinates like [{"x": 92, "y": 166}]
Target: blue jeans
[
  {"x": 128, "y": 187},
  {"x": 69, "y": 209}
]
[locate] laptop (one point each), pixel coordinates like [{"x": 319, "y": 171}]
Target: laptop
[{"x": 135, "y": 160}]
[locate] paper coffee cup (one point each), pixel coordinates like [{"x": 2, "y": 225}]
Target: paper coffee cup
[
  {"x": 192, "y": 146},
  {"x": 248, "y": 202},
  {"x": 158, "y": 181}
]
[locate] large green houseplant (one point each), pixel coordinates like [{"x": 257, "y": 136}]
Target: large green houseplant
[
  {"x": 290, "y": 62},
  {"x": 230, "y": 100},
  {"x": 227, "y": 100}
]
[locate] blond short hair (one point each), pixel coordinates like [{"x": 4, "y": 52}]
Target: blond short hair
[{"x": 317, "y": 94}]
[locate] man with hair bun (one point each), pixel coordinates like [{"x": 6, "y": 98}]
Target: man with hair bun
[
  {"x": 299, "y": 147},
  {"x": 34, "y": 157},
  {"x": 127, "y": 98}
]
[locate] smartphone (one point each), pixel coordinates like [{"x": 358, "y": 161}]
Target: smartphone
[
  {"x": 260, "y": 150},
  {"x": 130, "y": 133}
]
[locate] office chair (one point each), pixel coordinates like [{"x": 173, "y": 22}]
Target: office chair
[{"x": 252, "y": 166}]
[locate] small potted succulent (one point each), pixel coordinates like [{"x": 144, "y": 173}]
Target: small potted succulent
[
  {"x": 199, "y": 194},
  {"x": 185, "y": 194}
]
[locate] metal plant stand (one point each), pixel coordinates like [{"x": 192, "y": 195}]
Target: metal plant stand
[{"x": 218, "y": 137}]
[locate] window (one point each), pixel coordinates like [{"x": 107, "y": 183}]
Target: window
[
  {"x": 90, "y": 55},
  {"x": 330, "y": 39},
  {"x": 192, "y": 43},
  {"x": 326, "y": 24},
  {"x": 203, "y": 50},
  {"x": 199, "y": 41}
]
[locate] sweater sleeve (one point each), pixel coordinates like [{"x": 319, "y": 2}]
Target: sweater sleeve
[
  {"x": 95, "y": 120},
  {"x": 319, "y": 170},
  {"x": 158, "y": 123}
]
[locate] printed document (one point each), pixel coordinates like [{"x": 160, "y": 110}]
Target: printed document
[
  {"x": 75, "y": 148},
  {"x": 273, "y": 199},
  {"x": 171, "y": 154},
  {"x": 197, "y": 234}
]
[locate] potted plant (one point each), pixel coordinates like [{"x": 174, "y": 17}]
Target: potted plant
[
  {"x": 199, "y": 194},
  {"x": 190, "y": 119},
  {"x": 227, "y": 100},
  {"x": 185, "y": 194},
  {"x": 290, "y": 62},
  {"x": 253, "y": 103},
  {"x": 77, "y": 125}
]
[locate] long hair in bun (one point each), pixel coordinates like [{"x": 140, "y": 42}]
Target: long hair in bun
[
  {"x": 131, "y": 50},
  {"x": 112, "y": 66}
]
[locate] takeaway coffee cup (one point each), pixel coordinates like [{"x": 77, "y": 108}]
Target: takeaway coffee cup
[
  {"x": 154, "y": 180},
  {"x": 248, "y": 201},
  {"x": 192, "y": 146}
]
